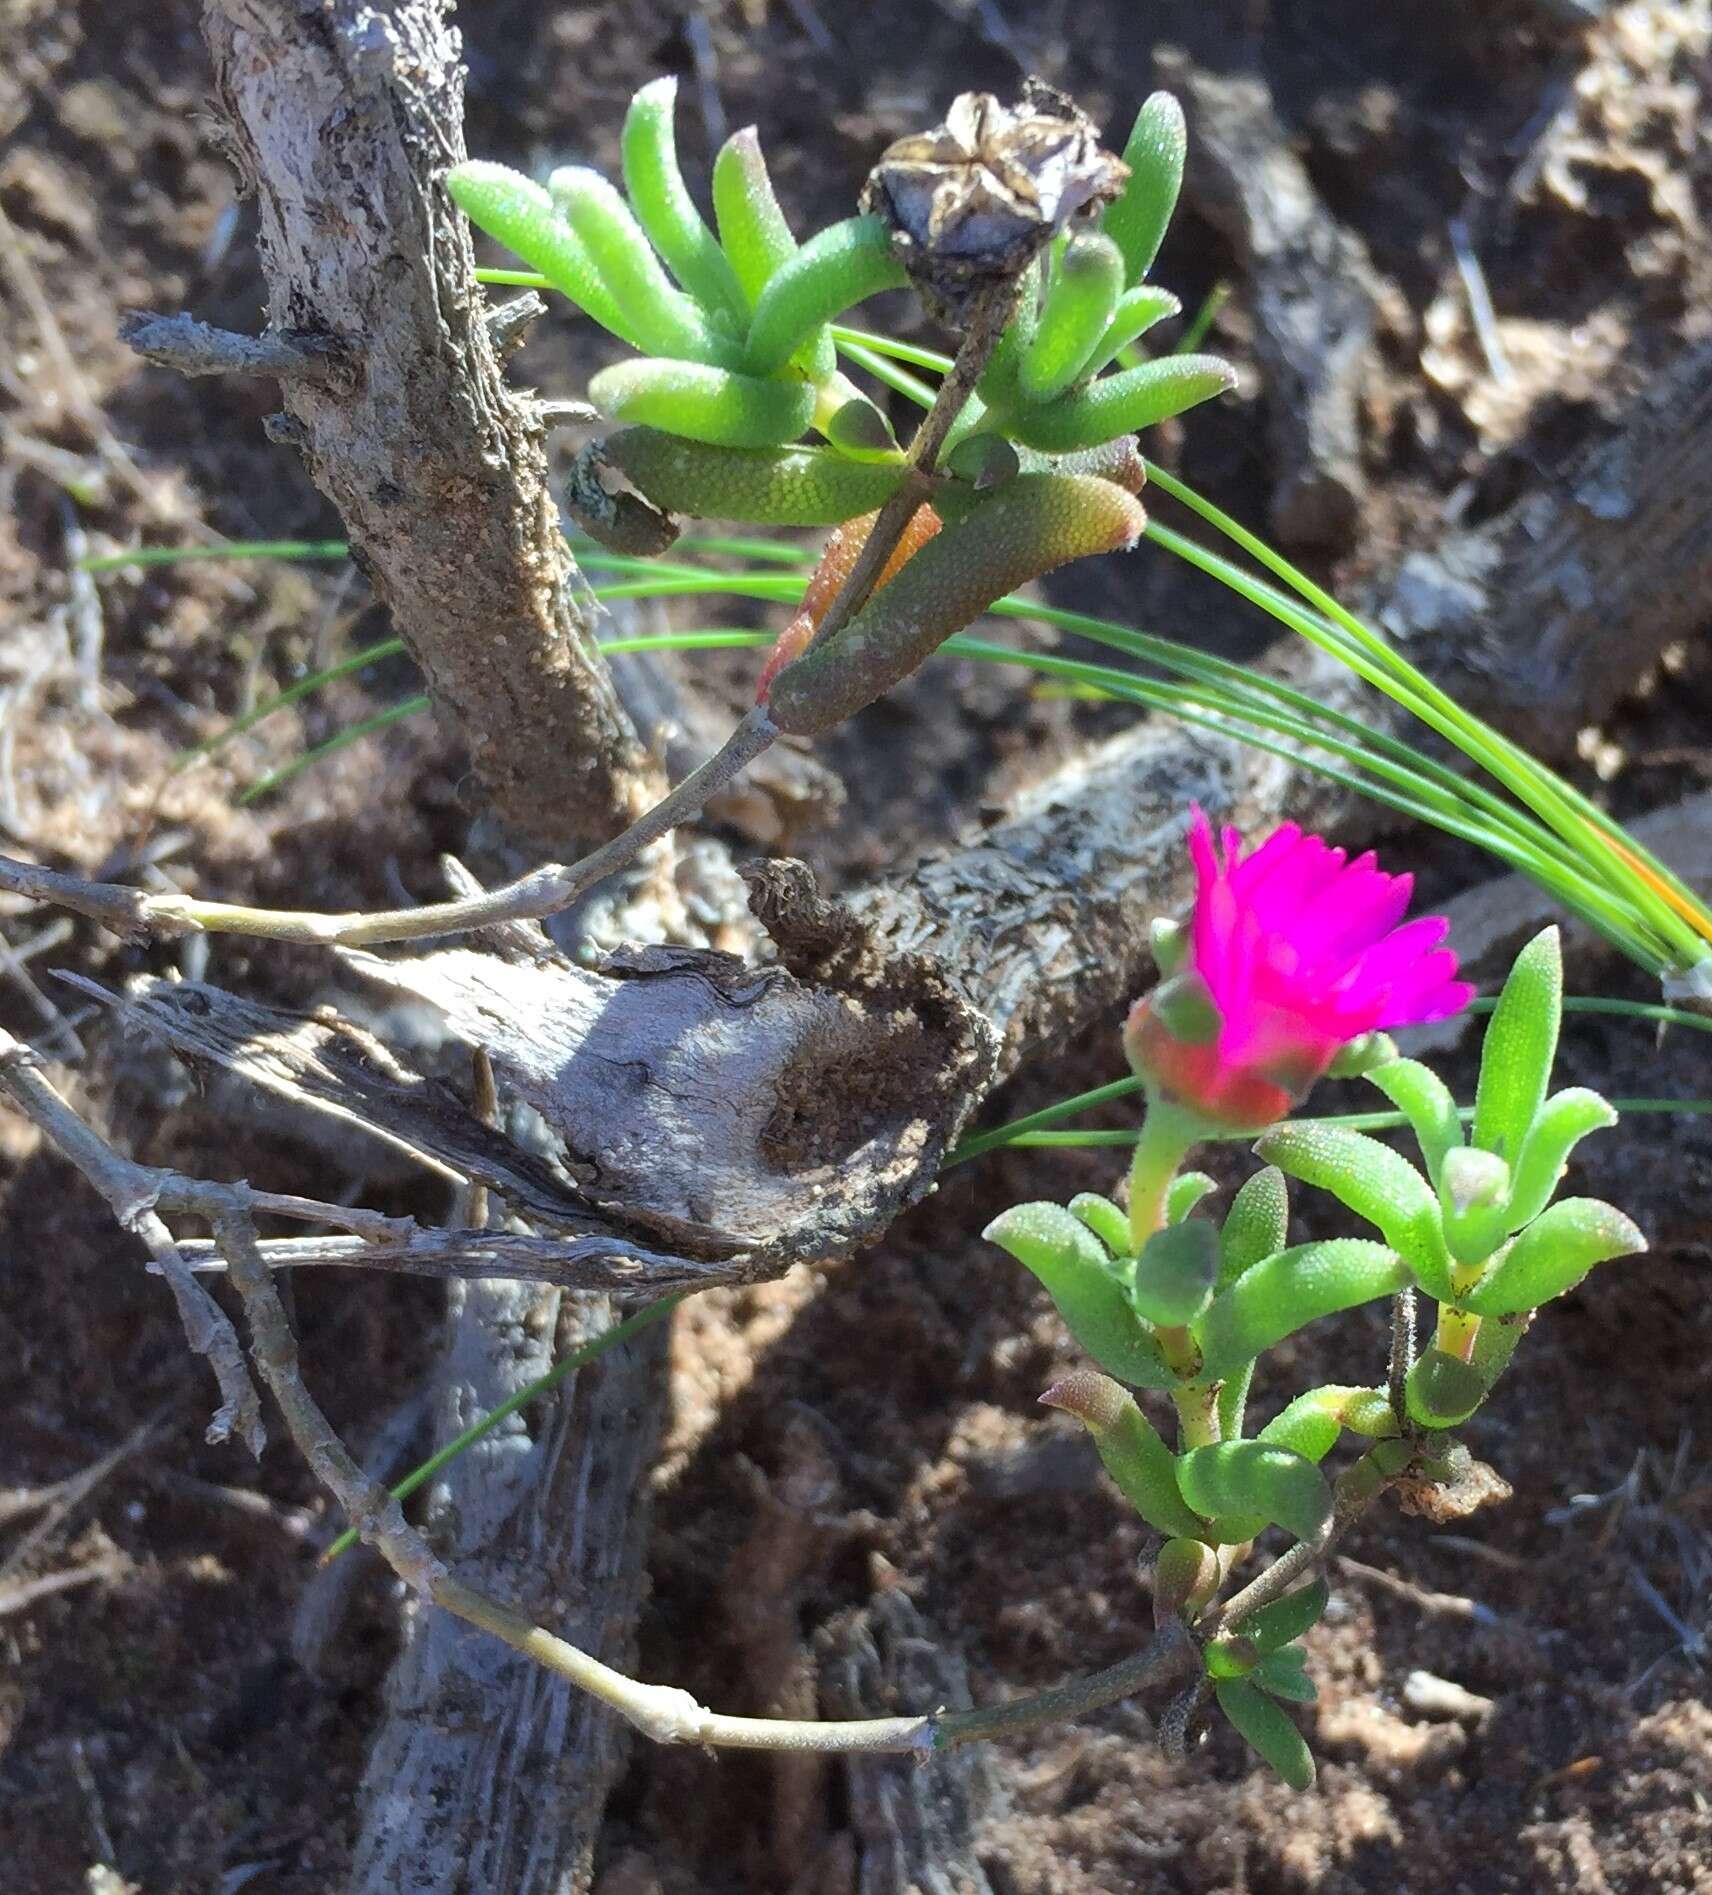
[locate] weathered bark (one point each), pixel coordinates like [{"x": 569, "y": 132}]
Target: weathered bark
[
  {"x": 344, "y": 118},
  {"x": 915, "y": 1830},
  {"x": 490, "y": 1774},
  {"x": 1310, "y": 285},
  {"x": 1544, "y": 617},
  {"x": 1042, "y": 922}
]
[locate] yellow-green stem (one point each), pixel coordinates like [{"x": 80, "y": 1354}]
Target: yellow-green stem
[
  {"x": 1458, "y": 1331},
  {"x": 1197, "y": 1408},
  {"x": 1168, "y": 1135}
]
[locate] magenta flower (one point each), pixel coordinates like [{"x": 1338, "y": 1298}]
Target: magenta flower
[{"x": 1293, "y": 951}]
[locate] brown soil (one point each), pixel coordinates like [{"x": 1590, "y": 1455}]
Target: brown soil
[{"x": 152, "y": 1714}]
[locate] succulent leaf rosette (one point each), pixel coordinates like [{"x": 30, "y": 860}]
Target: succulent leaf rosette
[
  {"x": 734, "y": 405},
  {"x": 1292, "y": 966}
]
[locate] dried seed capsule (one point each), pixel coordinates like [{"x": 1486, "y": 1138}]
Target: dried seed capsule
[
  {"x": 770, "y": 486},
  {"x": 517, "y": 212},
  {"x": 1137, "y": 222},
  {"x": 1080, "y": 302},
  {"x": 706, "y": 404},
  {"x": 1028, "y": 526},
  {"x": 668, "y": 322},
  {"x": 1124, "y": 403},
  {"x": 663, "y": 204},
  {"x": 842, "y": 265}
]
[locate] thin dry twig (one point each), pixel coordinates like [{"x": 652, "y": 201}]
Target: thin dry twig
[
  {"x": 65, "y": 1496},
  {"x": 532, "y": 897},
  {"x": 190, "y": 347},
  {"x": 24, "y": 1593},
  {"x": 132, "y": 1191},
  {"x": 20, "y": 271},
  {"x": 1437, "y": 1605},
  {"x": 664, "y": 1713}
]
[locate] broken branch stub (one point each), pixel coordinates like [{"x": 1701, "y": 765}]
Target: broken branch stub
[{"x": 720, "y": 1113}]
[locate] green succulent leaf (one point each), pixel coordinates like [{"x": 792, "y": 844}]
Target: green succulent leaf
[
  {"x": 1124, "y": 403},
  {"x": 518, "y": 212},
  {"x": 1129, "y": 1448},
  {"x": 1256, "y": 1225},
  {"x": 1427, "y": 1103},
  {"x": 984, "y": 461},
  {"x": 1278, "y": 1625},
  {"x": 1267, "y": 1730},
  {"x": 768, "y": 486},
  {"x": 1356, "y": 1058},
  {"x": 859, "y": 430},
  {"x": 1070, "y": 1262},
  {"x": 1081, "y": 300},
  {"x": 1286, "y": 1293},
  {"x": 1255, "y": 1480},
  {"x": 1442, "y": 1391},
  {"x": 1282, "y": 1674},
  {"x": 1154, "y": 152},
  {"x": 664, "y": 207},
  {"x": 1374, "y": 1182},
  {"x": 1186, "y": 1574},
  {"x": 1552, "y": 1255},
  {"x": 752, "y": 228},
  {"x": 665, "y": 320},
  {"x": 1495, "y": 1345},
  {"x": 1474, "y": 1192},
  {"x": 1137, "y": 311},
  {"x": 1175, "y": 1273},
  {"x": 1520, "y": 1045},
  {"x": 1559, "y": 1126},
  {"x": 1312, "y": 1423},
  {"x": 1229, "y": 1658},
  {"x": 1186, "y": 1191},
  {"x": 838, "y": 267},
  {"x": 1108, "y": 1221},
  {"x": 1021, "y": 530},
  {"x": 1233, "y": 1401},
  {"x": 713, "y": 405},
  {"x": 997, "y": 388}
]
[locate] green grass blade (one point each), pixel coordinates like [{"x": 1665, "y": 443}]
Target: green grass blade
[
  {"x": 225, "y": 550},
  {"x": 292, "y": 694},
  {"x": 341, "y": 740},
  {"x": 579, "y": 1358}
]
